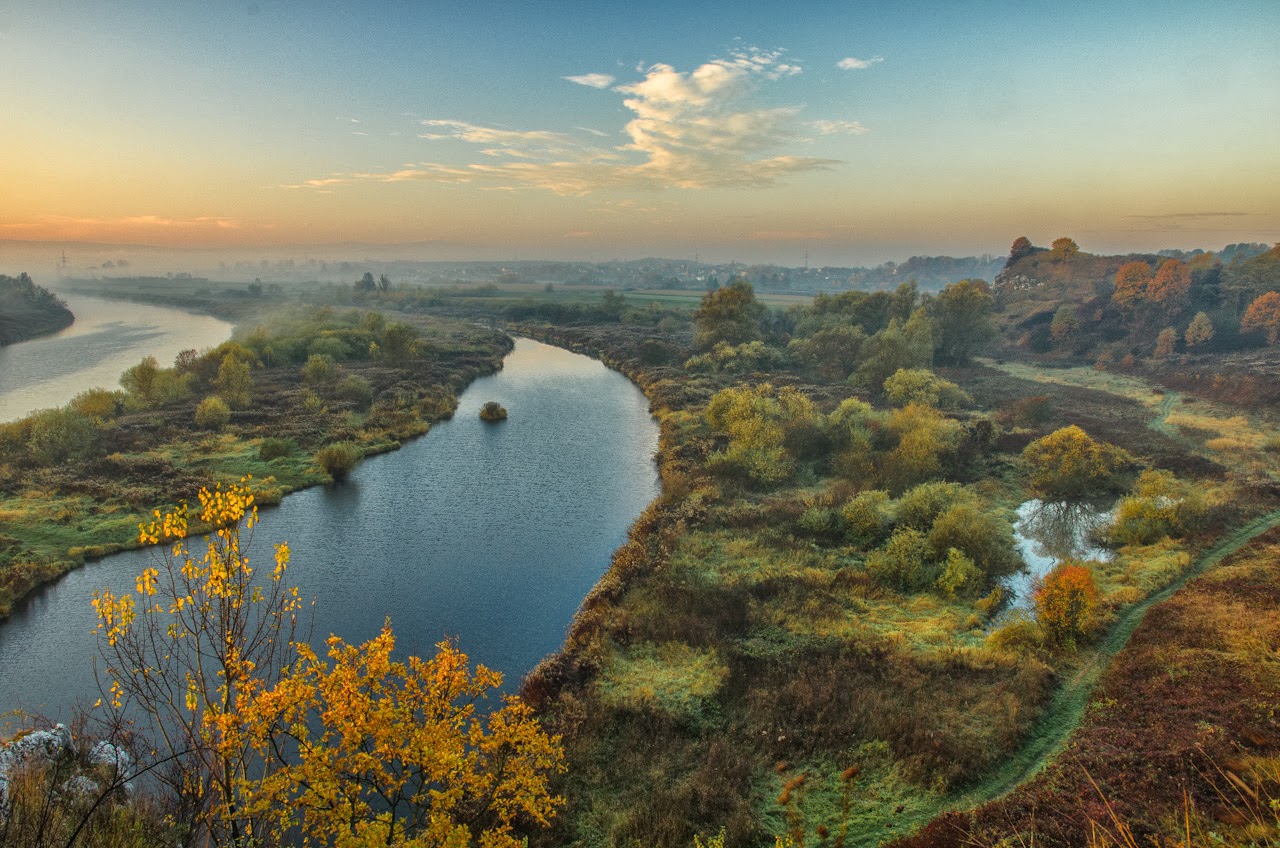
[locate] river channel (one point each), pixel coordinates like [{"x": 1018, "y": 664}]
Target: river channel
[
  {"x": 108, "y": 336},
  {"x": 488, "y": 533}
]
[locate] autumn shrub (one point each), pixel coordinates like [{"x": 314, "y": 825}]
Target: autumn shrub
[
  {"x": 920, "y": 385},
  {"x": 867, "y": 518},
  {"x": 1159, "y": 506},
  {"x": 338, "y": 459},
  {"x": 1067, "y": 463},
  {"x": 99, "y": 405},
  {"x": 1066, "y": 603},
  {"x": 1020, "y": 633},
  {"x": 925, "y": 436},
  {"x": 904, "y": 562},
  {"x": 212, "y": 413},
  {"x": 921, "y": 505},
  {"x": 363, "y": 728},
  {"x": 960, "y": 576},
  {"x": 981, "y": 536}
]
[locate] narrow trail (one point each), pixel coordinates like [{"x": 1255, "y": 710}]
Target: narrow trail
[{"x": 1064, "y": 712}]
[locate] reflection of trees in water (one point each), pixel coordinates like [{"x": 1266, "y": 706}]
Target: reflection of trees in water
[{"x": 1062, "y": 529}]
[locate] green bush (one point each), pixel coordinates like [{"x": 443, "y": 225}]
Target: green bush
[
  {"x": 357, "y": 390},
  {"x": 866, "y": 518},
  {"x": 275, "y": 447},
  {"x": 338, "y": 459},
  {"x": 58, "y": 435},
  {"x": 320, "y": 370},
  {"x": 213, "y": 413},
  {"x": 903, "y": 563},
  {"x": 984, "y": 538},
  {"x": 919, "y": 507}
]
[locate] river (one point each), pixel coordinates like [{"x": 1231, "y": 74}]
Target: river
[
  {"x": 108, "y": 336},
  {"x": 488, "y": 533}
]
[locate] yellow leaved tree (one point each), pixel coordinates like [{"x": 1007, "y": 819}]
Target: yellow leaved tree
[
  {"x": 372, "y": 751},
  {"x": 253, "y": 736},
  {"x": 204, "y": 630}
]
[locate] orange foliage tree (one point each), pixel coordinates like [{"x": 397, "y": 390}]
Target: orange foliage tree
[
  {"x": 1263, "y": 315},
  {"x": 1066, "y": 602},
  {"x": 1131, "y": 283},
  {"x": 371, "y": 751},
  {"x": 1171, "y": 283}
]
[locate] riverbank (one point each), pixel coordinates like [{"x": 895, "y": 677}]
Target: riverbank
[
  {"x": 737, "y": 630},
  {"x": 28, "y": 311},
  {"x": 76, "y": 482}
]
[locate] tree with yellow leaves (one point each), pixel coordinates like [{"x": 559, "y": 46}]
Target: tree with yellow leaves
[
  {"x": 204, "y": 630},
  {"x": 255, "y": 735},
  {"x": 370, "y": 751}
]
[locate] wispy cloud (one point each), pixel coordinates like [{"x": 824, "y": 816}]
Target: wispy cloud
[
  {"x": 838, "y": 127},
  {"x": 850, "y": 63},
  {"x": 704, "y": 128},
  {"x": 592, "y": 80}
]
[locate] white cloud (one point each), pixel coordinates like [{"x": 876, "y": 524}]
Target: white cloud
[
  {"x": 849, "y": 63},
  {"x": 592, "y": 80},
  {"x": 704, "y": 128},
  {"x": 838, "y": 127}
]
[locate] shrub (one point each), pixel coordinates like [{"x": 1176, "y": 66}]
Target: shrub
[
  {"x": 920, "y": 385},
  {"x": 1067, "y": 463},
  {"x": 275, "y": 447},
  {"x": 1020, "y": 634},
  {"x": 98, "y": 404},
  {"x": 1159, "y": 506},
  {"x": 233, "y": 381},
  {"x": 58, "y": 435},
  {"x": 213, "y": 413},
  {"x": 903, "y": 563},
  {"x": 320, "y": 370},
  {"x": 338, "y": 459},
  {"x": 919, "y": 507},
  {"x": 357, "y": 390},
  {"x": 1066, "y": 603},
  {"x": 984, "y": 538},
  {"x": 493, "y": 411},
  {"x": 866, "y": 518},
  {"x": 960, "y": 576}
]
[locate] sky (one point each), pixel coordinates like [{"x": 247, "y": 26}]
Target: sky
[{"x": 846, "y": 132}]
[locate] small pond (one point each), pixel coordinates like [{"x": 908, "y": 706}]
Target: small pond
[{"x": 1048, "y": 532}]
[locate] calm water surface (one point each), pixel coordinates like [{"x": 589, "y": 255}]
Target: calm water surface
[
  {"x": 490, "y": 533},
  {"x": 108, "y": 336},
  {"x": 1048, "y": 532}
]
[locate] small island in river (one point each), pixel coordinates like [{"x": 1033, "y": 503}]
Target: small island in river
[
  {"x": 28, "y": 310},
  {"x": 493, "y": 411}
]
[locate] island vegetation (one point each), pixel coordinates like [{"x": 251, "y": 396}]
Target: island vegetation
[
  {"x": 28, "y": 311},
  {"x": 493, "y": 411},
  {"x": 808, "y": 638}
]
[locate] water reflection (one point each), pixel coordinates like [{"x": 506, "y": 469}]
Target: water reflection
[{"x": 1048, "y": 532}]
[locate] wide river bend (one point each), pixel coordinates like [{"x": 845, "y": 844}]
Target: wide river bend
[{"x": 488, "y": 533}]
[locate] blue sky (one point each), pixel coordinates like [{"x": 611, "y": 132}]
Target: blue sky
[{"x": 854, "y": 131}]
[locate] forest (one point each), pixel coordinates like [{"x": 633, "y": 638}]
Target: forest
[{"x": 808, "y": 638}]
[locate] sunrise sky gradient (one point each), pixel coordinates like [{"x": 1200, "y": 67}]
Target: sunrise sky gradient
[{"x": 852, "y": 131}]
